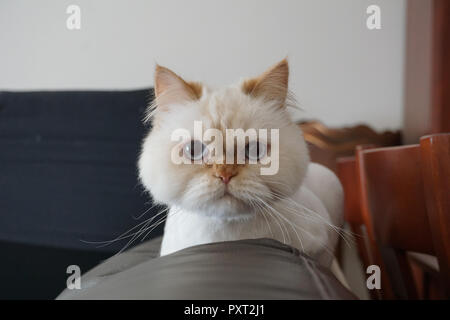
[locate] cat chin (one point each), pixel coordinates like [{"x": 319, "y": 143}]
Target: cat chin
[{"x": 226, "y": 208}]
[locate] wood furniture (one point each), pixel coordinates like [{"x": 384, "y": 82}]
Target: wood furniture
[
  {"x": 328, "y": 144},
  {"x": 359, "y": 221},
  {"x": 435, "y": 157},
  {"x": 393, "y": 183},
  {"x": 394, "y": 199},
  {"x": 346, "y": 171},
  {"x": 404, "y": 275}
]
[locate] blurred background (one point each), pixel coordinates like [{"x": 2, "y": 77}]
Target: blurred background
[{"x": 72, "y": 101}]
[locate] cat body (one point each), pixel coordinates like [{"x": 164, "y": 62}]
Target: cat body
[{"x": 213, "y": 200}]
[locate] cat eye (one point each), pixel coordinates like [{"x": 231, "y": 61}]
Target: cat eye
[
  {"x": 195, "y": 150},
  {"x": 255, "y": 150}
]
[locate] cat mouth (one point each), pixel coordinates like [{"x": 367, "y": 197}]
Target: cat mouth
[
  {"x": 230, "y": 202},
  {"x": 227, "y": 195}
]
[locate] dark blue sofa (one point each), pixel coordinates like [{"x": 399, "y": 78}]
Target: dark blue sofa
[{"x": 67, "y": 173}]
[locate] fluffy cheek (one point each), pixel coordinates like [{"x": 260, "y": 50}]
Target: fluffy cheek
[
  {"x": 164, "y": 179},
  {"x": 293, "y": 163},
  {"x": 248, "y": 185}
]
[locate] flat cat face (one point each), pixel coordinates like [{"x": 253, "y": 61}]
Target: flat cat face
[{"x": 204, "y": 183}]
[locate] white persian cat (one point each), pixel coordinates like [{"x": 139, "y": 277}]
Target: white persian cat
[{"x": 300, "y": 205}]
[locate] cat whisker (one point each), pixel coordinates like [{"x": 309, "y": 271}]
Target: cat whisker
[
  {"x": 344, "y": 234},
  {"x": 256, "y": 206},
  {"x": 143, "y": 214},
  {"x": 142, "y": 231},
  {"x": 153, "y": 227},
  {"x": 126, "y": 234},
  {"x": 274, "y": 216},
  {"x": 290, "y": 223},
  {"x": 299, "y": 227},
  {"x": 267, "y": 221}
]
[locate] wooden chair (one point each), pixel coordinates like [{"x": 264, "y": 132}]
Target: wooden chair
[
  {"x": 327, "y": 144},
  {"x": 359, "y": 224},
  {"x": 392, "y": 194},
  {"x": 346, "y": 171},
  {"x": 435, "y": 156}
]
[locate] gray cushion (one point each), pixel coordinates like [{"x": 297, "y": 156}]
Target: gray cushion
[{"x": 246, "y": 269}]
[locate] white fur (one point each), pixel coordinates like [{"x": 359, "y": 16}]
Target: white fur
[
  {"x": 185, "y": 229},
  {"x": 204, "y": 210}
]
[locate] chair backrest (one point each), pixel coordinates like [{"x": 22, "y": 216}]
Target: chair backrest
[
  {"x": 393, "y": 196},
  {"x": 435, "y": 156},
  {"x": 346, "y": 171},
  {"x": 359, "y": 224}
]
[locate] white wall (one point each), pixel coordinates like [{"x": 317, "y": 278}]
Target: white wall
[{"x": 342, "y": 73}]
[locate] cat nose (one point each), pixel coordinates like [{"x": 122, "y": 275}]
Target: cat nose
[
  {"x": 225, "y": 176},
  {"x": 225, "y": 172}
]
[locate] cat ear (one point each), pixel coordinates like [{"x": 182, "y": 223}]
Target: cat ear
[
  {"x": 171, "y": 88},
  {"x": 271, "y": 85}
]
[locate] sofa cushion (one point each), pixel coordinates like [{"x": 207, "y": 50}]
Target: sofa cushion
[{"x": 245, "y": 269}]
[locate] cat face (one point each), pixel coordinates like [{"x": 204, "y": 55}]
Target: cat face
[{"x": 204, "y": 183}]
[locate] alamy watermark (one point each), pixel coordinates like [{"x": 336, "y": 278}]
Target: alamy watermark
[
  {"x": 373, "y": 21},
  {"x": 74, "y": 280},
  {"x": 73, "y": 21},
  {"x": 252, "y": 147},
  {"x": 374, "y": 280}
]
